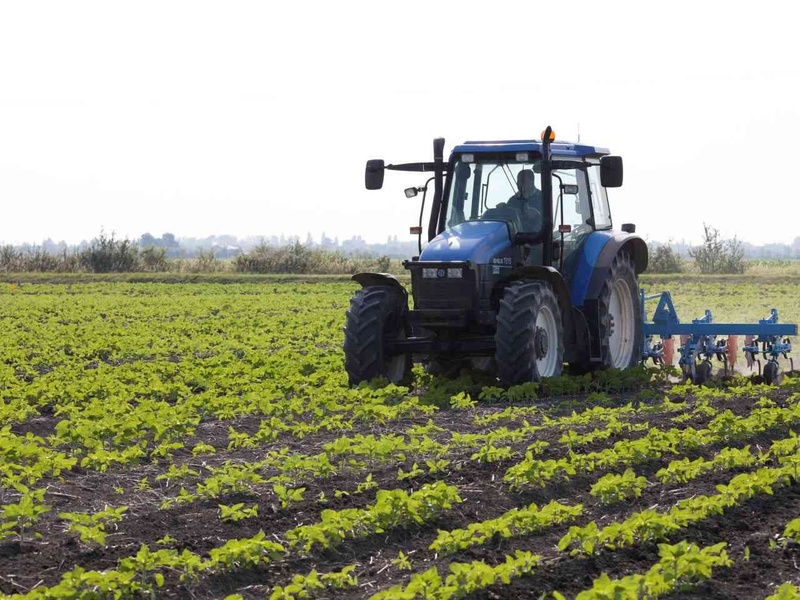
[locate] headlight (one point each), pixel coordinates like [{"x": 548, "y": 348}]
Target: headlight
[
  {"x": 455, "y": 273},
  {"x": 429, "y": 273}
]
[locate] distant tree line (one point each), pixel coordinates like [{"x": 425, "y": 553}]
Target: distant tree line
[
  {"x": 109, "y": 254},
  {"x": 714, "y": 255}
]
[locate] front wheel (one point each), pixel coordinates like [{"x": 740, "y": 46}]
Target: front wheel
[
  {"x": 620, "y": 315},
  {"x": 377, "y": 315},
  {"x": 530, "y": 335}
]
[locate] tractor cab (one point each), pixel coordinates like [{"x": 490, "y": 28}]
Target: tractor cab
[{"x": 489, "y": 182}]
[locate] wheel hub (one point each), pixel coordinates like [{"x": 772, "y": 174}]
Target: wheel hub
[{"x": 540, "y": 343}]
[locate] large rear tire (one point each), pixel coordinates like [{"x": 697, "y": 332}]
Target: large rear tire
[
  {"x": 377, "y": 314},
  {"x": 620, "y": 316},
  {"x": 530, "y": 334}
]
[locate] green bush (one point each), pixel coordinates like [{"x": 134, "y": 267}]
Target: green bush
[
  {"x": 716, "y": 255},
  {"x": 154, "y": 259},
  {"x": 37, "y": 260},
  {"x": 663, "y": 259},
  {"x": 106, "y": 254},
  {"x": 297, "y": 258}
]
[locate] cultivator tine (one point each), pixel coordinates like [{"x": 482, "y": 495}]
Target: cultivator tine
[
  {"x": 749, "y": 356},
  {"x": 732, "y": 350}
]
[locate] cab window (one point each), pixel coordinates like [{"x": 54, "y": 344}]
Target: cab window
[{"x": 602, "y": 213}]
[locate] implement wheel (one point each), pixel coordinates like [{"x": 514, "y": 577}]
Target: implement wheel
[
  {"x": 377, "y": 314},
  {"x": 620, "y": 315},
  {"x": 702, "y": 372},
  {"x": 530, "y": 335},
  {"x": 772, "y": 373}
]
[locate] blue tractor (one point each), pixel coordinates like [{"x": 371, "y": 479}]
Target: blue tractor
[{"x": 522, "y": 272}]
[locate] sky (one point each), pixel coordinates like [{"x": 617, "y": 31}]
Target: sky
[{"x": 256, "y": 118}]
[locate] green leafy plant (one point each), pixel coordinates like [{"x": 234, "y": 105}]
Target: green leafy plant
[
  {"x": 613, "y": 488},
  {"x": 288, "y": 496},
  {"x": 91, "y": 527},
  {"x": 237, "y": 512},
  {"x": 17, "y": 518}
]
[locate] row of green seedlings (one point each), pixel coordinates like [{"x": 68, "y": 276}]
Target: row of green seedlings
[
  {"x": 786, "y": 591},
  {"x": 232, "y": 478},
  {"x": 608, "y": 489},
  {"x": 305, "y": 586},
  {"x": 141, "y": 573},
  {"x": 644, "y": 526},
  {"x": 789, "y": 538},
  {"x": 613, "y": 487},
  {"x": 513, "y": 523},
  {"x": 363, "y": 451},
  {"x": 158, "y": 431},
  {"x": 421, "y": 448},
  {"x": 25, "y": 460},
  {"x": 724, "y": 428},
  {"x": 464, "y": 578},
  {"x": 294, "y": 467},
  {"x": 129, "y": 433},
  {"x": 680, "y": 567},
  {"x": 651, "y": 525},
  {"x": 681, "y": 564},
  {"x": 700, "y": 406},
  {"x": 99, "y": 435}
]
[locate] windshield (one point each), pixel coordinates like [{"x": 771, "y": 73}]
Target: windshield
[{"x": 505, "y": 189}]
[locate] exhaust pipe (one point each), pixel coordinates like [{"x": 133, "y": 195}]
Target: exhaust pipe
[{"x": 438, "y": 186}]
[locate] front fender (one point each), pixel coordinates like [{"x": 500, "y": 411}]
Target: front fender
[{"x": 380, "y": 279}]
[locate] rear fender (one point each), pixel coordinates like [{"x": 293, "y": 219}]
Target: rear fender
[
  {"x": 630, "y": 244},
  {"x": 598, "y": 252}
]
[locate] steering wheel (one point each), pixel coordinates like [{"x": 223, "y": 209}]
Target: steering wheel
[{"x": 531, "y": 216}]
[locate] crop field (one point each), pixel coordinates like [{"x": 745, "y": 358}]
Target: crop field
[{"x": 198, "y": 440}]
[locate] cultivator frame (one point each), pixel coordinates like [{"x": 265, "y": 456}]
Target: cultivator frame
[{"x": 703, "y": 340}]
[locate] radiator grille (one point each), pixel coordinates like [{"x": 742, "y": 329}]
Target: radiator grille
[{"x": 444, "y": 292}]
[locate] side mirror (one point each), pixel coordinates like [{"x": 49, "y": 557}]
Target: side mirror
[
  {"x": 373, "y": 175},
  {"x": 570, "y": 189},
  {"x": 611, "y": 171},
  {"x": 411, "y": 192}
]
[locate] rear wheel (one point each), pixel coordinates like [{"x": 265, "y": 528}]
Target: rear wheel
[
  {"x": 620, "y": 314},
  {"x": 530, "y": 335},
  {"x": 376, "y": 317}
]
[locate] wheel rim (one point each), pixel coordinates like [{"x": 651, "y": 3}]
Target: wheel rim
[
  {"x": 396, "y": 366},
  {"x": 622, "y": 326},
  {"x": 545, "y": 342}
]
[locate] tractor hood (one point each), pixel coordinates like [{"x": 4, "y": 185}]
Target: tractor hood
[{"x": 475, "y": 241}]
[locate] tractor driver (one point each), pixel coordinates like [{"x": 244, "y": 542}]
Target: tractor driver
[{"x": 527, "y": 201}]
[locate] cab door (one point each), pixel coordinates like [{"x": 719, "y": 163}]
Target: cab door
[{"x": 572, "y": 214}]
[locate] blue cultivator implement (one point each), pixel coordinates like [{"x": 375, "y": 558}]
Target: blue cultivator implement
[{"x": 703, "y": 340}]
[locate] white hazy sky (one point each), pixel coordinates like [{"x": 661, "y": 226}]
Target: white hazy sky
[{"x": 256, "y": 118}]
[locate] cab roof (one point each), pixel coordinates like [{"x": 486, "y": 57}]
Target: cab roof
[{"x": 560, "y": 147}]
